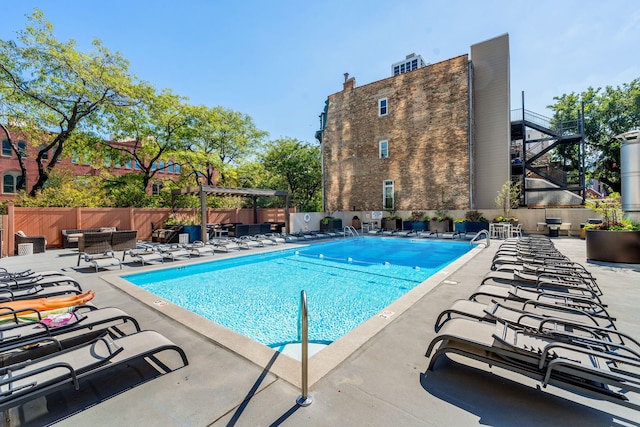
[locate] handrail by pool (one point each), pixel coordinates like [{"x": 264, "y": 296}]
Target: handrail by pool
[
  {"x": 304, "y": 399},
  {"x": 351, "y": 230},
  {"x": 479, "y": 235}
]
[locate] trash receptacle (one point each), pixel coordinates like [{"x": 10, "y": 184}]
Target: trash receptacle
[
  {"x": 554, "y": 230},
  {"x": 355, "y": 222}
]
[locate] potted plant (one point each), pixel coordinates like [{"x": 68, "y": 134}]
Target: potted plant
[
  {"x": 415, "y": 222},
  {"x": 475, "y": 221},
  {"x": 616, "y": 239},
  {"x": 508, "y": 198},
  {"x": 460, "y": 225},
  {"x": 393, "y": 222},
  {"x": 189, "y": 225},
  {"x": 441, "y": 222},
  {"x": 330, "y": 223}
]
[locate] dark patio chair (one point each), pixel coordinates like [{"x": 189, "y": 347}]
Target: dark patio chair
[
  {"x": 94, "y": 244},
  {"x": 39, "y": 242},
  {"x": 124, "y": 240}
]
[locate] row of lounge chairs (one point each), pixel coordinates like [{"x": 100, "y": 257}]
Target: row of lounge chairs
[
  {"x": 540, "y": 315},
  {"x": 55, "y": 342}
]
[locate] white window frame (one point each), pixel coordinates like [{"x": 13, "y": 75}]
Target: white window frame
[
  {"x": 383, "y": 110},
  {"x": 15, "y": 175},
  {"x": 383, "y": 153},
  {"x": 388, "y": 192}
]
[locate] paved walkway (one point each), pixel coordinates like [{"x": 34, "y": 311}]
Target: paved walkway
[{"x": 383, "y": 383}]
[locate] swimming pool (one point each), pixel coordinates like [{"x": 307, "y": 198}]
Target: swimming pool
[{"x": 347, "y": 282}]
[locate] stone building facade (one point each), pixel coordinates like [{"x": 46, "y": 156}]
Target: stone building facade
[{"x": 401, "y": 143}]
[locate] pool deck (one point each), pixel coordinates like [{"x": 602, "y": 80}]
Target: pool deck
[{"x": 381, "y": 383}]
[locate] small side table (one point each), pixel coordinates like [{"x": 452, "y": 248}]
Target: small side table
[{"x": 25, "y": 249}]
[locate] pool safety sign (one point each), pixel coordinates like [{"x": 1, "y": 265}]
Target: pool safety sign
[{"x": 386, "y": 314}]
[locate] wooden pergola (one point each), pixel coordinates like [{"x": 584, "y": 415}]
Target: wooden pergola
[{"x": 211, "y": 190}]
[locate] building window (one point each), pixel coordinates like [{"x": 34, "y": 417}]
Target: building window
[
  {"x": 382, "y": 107},
  {"x": 11, "y": 181},
  {"x": 384, "y": 149},
  {"x": 169, "y": 166},
  {"x": 45, "y": 154},
  {"x": 129, "y": 163},
  {"x": 388, "y": 201},
  {"x": 6, "y": 148},
  {"x": 156, "y": 187},
  {"x": 22, "y": 148},
  {"x": 177, "y": 168}
]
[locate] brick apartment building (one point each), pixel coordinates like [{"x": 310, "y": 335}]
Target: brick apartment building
[
  {"x": 10, "y": 168},
  {"x": 429, "y": 135}
]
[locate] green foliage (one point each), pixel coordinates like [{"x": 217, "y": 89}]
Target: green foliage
[
  {"x": 474, "y": 216},
  {"x": 608, "y": 112},
  {"x": 416, "y": 216},
  {"x": 610, "y": 209},
  {"x": 64, "y": 190},
  {"x": 296, "y": 166},
  {"x": 48, "y": 85},
  {"x": 508, "y": 197}
]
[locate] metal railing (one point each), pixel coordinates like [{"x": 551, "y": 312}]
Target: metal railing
[
  {"x": 350, "y": 230},
  {"x": 304, "y": 399},
  {"x": 476, "y": 238}
]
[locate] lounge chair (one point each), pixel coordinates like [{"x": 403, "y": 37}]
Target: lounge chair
[
  {"x": 173, "y": 252},
  {"x": 530, "y": 313},
  {"x": 224, "y": 244},
  {"x": 37, "y": 291},
  {"x": 266, "y": 241},
  {"x": 144, "y": 255},
  {"x": 591, "y": 367},
  {"x": 247, "y": 242},
  {"x": 21, "y": 326},
  {"x": 65, "y": 369},
  {"x": 198, "y": 248},
  {"x": 103, "y": 261},
  {"x": 36, "y": 279}
]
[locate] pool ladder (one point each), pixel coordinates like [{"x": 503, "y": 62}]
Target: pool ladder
[
  {"x": 351, "y": 231},
  {"x": 478, "y": 236}
]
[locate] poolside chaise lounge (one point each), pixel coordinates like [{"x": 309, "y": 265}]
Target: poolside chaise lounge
[
  {"x": 37, "y": 291},
  {"x": 66, "y": 369},
  {"x": 224, "y": 244},
  {"x": 19, "y": 327},
  {"x": 591, "y": 367},
  {"x": 199, "y": 248},
  {"x": 173, "y": 252},
  {"x": 37, "y": 279},
  {"x": 530, "y": 313},
  {"x": 144, "y": 255},
  {"x": 96, "y": 249}
]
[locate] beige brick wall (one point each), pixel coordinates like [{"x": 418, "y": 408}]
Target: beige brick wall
[{"x": 428, "y": 132}]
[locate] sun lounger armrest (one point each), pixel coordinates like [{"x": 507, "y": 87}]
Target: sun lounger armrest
[{"x": 18, "y": 376}]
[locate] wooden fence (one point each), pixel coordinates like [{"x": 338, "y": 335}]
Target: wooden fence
[{"x": 50, "y": 222}]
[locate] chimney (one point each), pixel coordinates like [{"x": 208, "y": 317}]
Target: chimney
[{"x": 349, "y": 83}]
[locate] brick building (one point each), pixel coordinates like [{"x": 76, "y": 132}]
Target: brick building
[
  {"x": 11, "y": 174},
  {"x": 436, "y": 135}
]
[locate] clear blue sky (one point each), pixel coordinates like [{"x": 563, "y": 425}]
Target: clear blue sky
[{"x": 279, "y": 60}]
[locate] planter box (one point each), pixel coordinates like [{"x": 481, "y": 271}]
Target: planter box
[
  {"x": 193, "y": 231},
  {"x": 332, "y": 224},
  {"x": 414, "y": 225},
  {"x": 460, "y": 227},
  {"x": 613, "y": 246},
  {"x": 475, "y": 226},
  {"x": 440, "y": 226},
  {"x": 392, "y": 224}
]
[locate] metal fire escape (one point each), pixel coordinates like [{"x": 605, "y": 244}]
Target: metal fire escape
[{"x": 549, "y": 155}]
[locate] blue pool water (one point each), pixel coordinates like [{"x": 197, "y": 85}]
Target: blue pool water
[{"x": 346, "y": 281}]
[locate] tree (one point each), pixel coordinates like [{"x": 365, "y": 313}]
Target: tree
[
  {"x": 221, "y": 140},
  {"x": 608, "y": 113},
  {"x": 49, "y": 86},
  {"x": 155, "y": 128},
  {"x": 297, "y": 167}
]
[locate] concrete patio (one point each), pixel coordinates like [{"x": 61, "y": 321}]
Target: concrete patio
[{"x": 382, "y": 383}]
